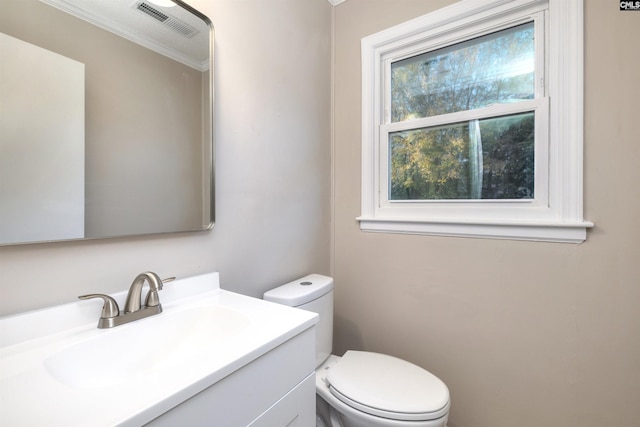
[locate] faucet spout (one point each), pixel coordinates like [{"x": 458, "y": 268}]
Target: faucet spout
[{"x": 134, "y": 298}]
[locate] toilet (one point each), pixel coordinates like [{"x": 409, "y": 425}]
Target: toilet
[{"x": 362, "y": 389}]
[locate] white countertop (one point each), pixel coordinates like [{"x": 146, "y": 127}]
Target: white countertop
[{"x": 32, "y": 393}]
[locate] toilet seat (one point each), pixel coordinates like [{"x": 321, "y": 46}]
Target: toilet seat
[{"x": 388, "y": 387}]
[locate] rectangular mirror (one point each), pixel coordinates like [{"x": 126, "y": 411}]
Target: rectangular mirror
[{"x": 106, "y": 119}]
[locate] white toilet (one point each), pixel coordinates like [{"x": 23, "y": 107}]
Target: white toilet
[{"x": 363, "y": 389}]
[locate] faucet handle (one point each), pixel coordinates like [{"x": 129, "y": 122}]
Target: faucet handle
[
  {"x": 109, "y": 309},
  {"x": 152, "y": 299}
]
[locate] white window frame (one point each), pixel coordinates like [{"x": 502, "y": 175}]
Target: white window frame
[{"x": 556, "y": 212}]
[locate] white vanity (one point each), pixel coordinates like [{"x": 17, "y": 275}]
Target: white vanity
[{"x": 211, "y": 358}]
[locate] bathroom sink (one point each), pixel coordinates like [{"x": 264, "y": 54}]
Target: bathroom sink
[
  {"x": 122, "y": 354},
  {"x": 57, "y": 362}
]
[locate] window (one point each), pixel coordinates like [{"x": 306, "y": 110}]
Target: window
[
  {"x": 472, "y": 123},
  {"x": 462, "y": 120}
]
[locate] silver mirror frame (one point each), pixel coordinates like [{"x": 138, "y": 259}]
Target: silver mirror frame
[{"x": 207, "y": 160}]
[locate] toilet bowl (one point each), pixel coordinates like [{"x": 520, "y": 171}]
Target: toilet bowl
[{"x": 363, "y": 389}]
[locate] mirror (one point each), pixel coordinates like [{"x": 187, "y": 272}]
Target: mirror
[{"x": 106, "y": 119}]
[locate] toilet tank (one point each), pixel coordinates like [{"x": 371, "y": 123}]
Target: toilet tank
[{"x": 312, "y": 293}]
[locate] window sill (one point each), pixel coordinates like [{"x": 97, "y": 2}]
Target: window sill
[{"x": 559, "y": 232}]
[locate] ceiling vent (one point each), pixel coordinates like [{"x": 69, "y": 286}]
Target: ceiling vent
[{"x": 166, "y": 19}]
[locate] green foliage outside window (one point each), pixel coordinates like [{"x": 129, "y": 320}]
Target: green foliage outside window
[{"x": 435, "y": 163}]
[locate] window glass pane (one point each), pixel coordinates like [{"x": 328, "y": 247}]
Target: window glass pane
[
  {"x": 481, "y": 159},
  {"x": 496, "y": 68}
]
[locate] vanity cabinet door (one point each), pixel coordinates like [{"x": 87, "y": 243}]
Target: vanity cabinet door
[{"x": 295, "y": 409}]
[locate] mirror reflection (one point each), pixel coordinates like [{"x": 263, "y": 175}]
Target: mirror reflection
[{"x": 105, "y": 119}]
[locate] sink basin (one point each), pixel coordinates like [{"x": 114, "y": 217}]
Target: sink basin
[{"x": 136, "y": 350}]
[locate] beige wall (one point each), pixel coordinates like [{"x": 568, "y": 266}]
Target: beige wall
[
  {"x": 525, "y": 334},
  {"x": 273, "y": 172}
]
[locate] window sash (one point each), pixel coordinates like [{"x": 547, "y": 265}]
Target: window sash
[
  {"x": 540, "y": 108},
  {"x": 537, "y": 16},
  {"x": 448, "y": 70},
  {"x": 461, "y": 162}
]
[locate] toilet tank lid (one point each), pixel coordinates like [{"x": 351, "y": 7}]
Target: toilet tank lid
[{"x": 300, "y": 291}]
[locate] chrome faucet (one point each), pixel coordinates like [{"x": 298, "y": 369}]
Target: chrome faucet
[{"x": 133, "y": 308}]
